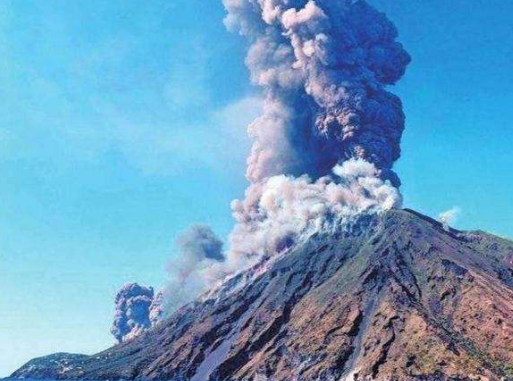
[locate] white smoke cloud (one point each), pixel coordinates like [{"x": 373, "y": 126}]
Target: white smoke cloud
[
  {"x": 156, "y": 311},
  {"x": 449, "y": 217},
  {"x": 276, "y": 213}
]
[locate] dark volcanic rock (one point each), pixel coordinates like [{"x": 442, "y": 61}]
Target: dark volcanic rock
[{"x": 395, "y": 297}]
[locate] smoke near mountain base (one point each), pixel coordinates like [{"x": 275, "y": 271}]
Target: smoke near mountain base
[
  {"x": 138, "y": 308},
  {"x": 134, "y": 306}
]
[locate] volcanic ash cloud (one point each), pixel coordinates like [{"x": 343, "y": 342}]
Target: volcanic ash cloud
[
  {"x": 330, "y": 133},
  {"x": 323, "y": 67}
]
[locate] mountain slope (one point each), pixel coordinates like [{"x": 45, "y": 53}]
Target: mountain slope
[{"x": 393, "y": 296}]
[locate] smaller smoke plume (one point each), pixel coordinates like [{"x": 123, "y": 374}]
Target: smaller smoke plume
[
  {"x": 199, "y": 249},
  {"x": 449, "y": 217},
  {"x": 134, "y": 306}
]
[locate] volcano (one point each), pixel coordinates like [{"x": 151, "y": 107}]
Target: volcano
[{"x": 391, "y": 296}]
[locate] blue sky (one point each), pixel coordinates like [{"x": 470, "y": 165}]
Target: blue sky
[{"x": 122, "y": 122}]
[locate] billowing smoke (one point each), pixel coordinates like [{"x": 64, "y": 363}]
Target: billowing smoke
[
  {"x": 198, "y": 244},
  {"x": 137, "y": 310},
  {"x": 287, "y": 206},
  {"x": 330, "y": 133},
  {"x": 323, "y": 66}
]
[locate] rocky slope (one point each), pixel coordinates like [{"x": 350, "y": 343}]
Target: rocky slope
[{"x": 394, "y": 297}]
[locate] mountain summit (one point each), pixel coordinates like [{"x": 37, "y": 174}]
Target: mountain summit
[{"x": 394, "y": 296}]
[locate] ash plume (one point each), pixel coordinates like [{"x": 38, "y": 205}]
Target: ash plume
[
  {"x": 324, "y": 66},
  {"x": 330, "y": 132}
]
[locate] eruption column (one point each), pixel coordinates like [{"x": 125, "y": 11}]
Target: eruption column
[{"x": 330, "y": 133}]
